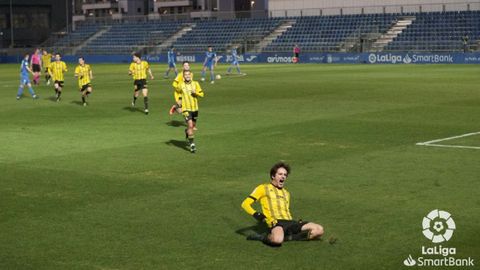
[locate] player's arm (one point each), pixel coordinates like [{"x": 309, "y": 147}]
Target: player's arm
[
  {"x": 150, "y": 73},
  {"x": 215, "y": 59},
  {"x": 91, "y": 74},
  {"x": 29, "y": 69},
  {"x": 198, "y": 91},
  {"x": 130, "y": 69},
  {"x": 77, "y": 72},
  {"x": 176, "y": 83},
  {"x": 50, "y": 72},
  {"x": 247, "y": 204},
  {"x": 64, "y": 67}
]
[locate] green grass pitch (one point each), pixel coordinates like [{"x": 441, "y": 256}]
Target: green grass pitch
[{"x": 105, "y": 187}]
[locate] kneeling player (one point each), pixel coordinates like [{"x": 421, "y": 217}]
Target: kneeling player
[{"x": 275, "y": 202}]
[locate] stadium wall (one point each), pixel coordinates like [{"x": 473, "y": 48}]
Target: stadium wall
[
  {"x": 286, "y": 58},
  {"x": 337, "y": 7}
]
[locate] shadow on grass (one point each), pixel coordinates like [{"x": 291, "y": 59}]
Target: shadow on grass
[
  {"x": 179, "y": 144},
  {"x": 132, "y": 109},
  {"x": 51, "y": 98},
  {"x": 77, "y": 102},
  {"x": 258, "y": 228},
  {"x": 176, "y": 123}
]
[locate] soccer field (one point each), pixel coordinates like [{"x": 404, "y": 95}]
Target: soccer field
[{"x": 107, "y": 187}]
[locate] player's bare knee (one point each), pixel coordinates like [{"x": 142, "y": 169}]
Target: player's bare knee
[
  {"x": 317, "y": 231},
  {"x": 276, "y": 239}
]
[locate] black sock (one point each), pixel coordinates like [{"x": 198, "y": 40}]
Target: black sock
[
  {"x": 83, "y": 99},
  {"x": 59, "y": 93},
  {"x": 56, "y": 91},
  {"x": 301, "y": 236},
  {"x": 134, "y": 99},
  {"x": 190, "y": 139},
  {"x": 186, "y": 134},
  {"x": 145, "y": 101}
]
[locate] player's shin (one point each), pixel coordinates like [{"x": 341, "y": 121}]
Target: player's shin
[
  {"x": 20, "y": 91},
  {"x": 145, "y": 102}
]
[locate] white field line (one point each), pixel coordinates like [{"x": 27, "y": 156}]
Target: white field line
[
  {"x": 433, "y": 142},
  {"x": 451, "y": 146}
]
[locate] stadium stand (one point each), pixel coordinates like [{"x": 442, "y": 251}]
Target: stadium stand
[
  {"x": 127, "y": 37},
  {"x": 431, "y": 31},
  {"x": 223, "y": 34},
  {"x": 436, "y": 31}
]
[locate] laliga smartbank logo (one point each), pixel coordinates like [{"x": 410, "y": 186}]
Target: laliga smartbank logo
[{"x": 438, "y": 227}]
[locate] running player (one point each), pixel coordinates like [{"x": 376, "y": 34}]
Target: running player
[
  {"x": 138, "y": 69},
  {"x": 84, "y": 74},
  {"x": 46, "y": 61},
  {"x": 56, "y": 70},
  {"x": 177, "y": 107},
  {"x": 190, "y": 90}
]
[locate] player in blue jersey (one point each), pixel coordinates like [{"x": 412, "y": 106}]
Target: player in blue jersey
[
  {"x": 24, "y": 78},
  {"x": 171, "y": 62},
  {"x": 234, "y": 62},
  {"x": 210, "y": 62}
]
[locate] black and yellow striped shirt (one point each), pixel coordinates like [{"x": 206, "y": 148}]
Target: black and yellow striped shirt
[
  {"x": 56, "y": 70},
  {"x": 139, "y": 71},
  {"x": 46, "y": 60},
  {"x": 275, "y": 203},
  {"x": 189, "y": 101},
  {"x": 83, "y": 74}
]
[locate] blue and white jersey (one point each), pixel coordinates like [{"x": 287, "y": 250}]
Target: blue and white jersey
[
  {"x": 171, "y": 56},
  {"x": 23, "y": 69},
  {"x": 24, "y": 79},
  {"x": 234, "y": 56},
  {"x": 210, "y": 58}
]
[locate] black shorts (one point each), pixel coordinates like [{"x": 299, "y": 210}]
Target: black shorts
[
  {"x": 36, "y": 68},
  {"x": 296, "y": 55},
  {"x": 290, "y": 226},
  {"x": 85, "y": 86},
  {"x": 190, "y": 116},
  {"x": 140, "y": 84},
  {"x": 60, "y": 83},
  {"x": 46, "y": 70}
]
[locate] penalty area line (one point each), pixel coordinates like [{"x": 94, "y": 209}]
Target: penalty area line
[
  {"x": 434, "y": 143},
  {"x": 451, "y": 146}
]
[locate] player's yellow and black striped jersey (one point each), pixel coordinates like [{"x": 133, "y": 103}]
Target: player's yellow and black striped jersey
[
  {"x": 83, "y": 74},
  {"x": 189, "y": 101},
  {"x": 56, "y": 70},
  {"x": 46, "y": 60},
  {"x": 139, "y": 71},
  {"x": 275, "y": 203},
  {"x": 175, "y": 83}
]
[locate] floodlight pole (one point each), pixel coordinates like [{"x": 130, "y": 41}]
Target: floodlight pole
[
  {"x": 11, "y": 25},
  {"x": 66, "y": 13}
]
